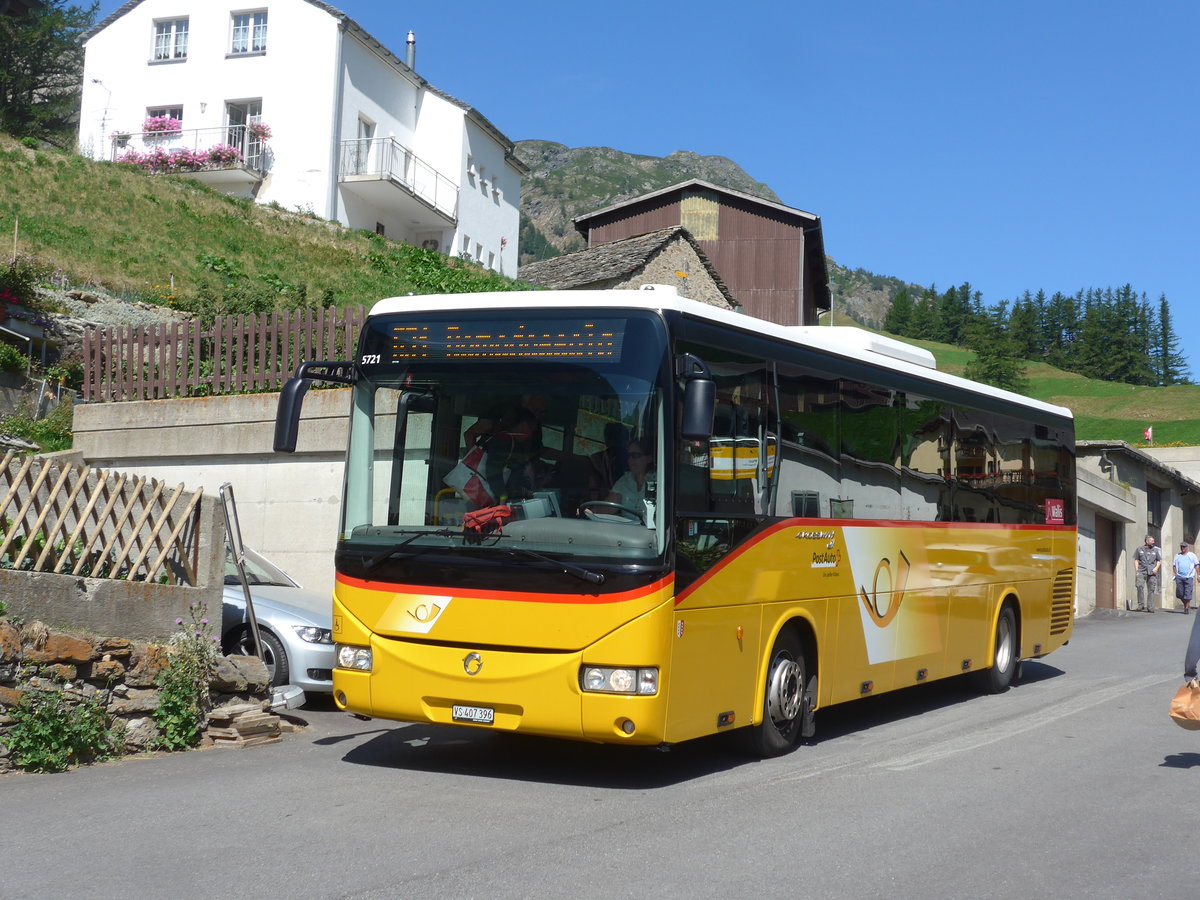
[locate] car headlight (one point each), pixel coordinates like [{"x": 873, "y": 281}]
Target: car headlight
[
  {"x": 313, "y": 634},
  {"x": 349, "y": 657},
  {"x": 619, "y": 680}
]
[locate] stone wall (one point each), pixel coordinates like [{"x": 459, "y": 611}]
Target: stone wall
[{"x": 118, "y": 673}]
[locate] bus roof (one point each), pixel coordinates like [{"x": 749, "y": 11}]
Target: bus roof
[{"x": 845, "y": 341}]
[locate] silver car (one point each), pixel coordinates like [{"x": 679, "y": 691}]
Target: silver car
[{"x": 294, "y": 624}]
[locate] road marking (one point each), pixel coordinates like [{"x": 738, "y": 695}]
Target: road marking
[{"x": 1009, "y": 728}]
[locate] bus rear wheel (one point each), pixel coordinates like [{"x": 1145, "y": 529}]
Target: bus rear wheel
[
  {"x": 783, "y": 703},
  {"x": 999, "y": 677}
]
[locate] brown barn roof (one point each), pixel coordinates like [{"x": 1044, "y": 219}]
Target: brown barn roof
[
  {"x": 617, "y": 259},
  {"x": 694, "y": 183}
]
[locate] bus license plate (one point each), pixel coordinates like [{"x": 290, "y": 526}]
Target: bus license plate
[{"x": 480, "y": 715}]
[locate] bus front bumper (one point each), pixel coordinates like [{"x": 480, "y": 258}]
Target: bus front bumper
[{"x": 528, "y": 692}]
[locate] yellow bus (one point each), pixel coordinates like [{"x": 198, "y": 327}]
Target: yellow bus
[{"x": 629, "y": 517}]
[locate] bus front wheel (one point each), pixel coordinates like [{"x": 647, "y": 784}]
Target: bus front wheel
[
  {"x": 997, "y": 679},
  {"x": 783, "y": 704}
]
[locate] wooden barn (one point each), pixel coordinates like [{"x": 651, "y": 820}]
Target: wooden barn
[{"x": 771, "y": 257}]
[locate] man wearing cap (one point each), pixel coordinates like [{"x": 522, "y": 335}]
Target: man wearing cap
[
  {"x": 1185, "y": 576},
  {"x": 1147, "y": 561}
]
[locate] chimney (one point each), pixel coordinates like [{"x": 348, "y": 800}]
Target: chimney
[{"x": 410, "y": 58}]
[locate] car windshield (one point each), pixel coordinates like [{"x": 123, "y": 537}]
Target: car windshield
[
  {"x": 552, "y": 451},
  {"x": 258, "y": 570}
]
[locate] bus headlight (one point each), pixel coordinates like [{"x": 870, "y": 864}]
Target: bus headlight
[
  {"x": 619, "y": 680},
  {"x": 349, "y": 657}
]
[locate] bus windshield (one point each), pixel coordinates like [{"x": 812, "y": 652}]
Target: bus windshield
[{"x": 554, "y": 420}]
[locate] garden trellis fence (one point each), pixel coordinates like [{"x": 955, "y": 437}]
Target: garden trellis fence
[
  {"x": 242, "y": 354},
  {"x": 60, "y": 516}
]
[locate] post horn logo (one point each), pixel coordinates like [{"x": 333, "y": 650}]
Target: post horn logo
[
  {"x": 425, "y": 612},
  {"x": 472, "y": 663},
  {"x": 897, "y": 583}
]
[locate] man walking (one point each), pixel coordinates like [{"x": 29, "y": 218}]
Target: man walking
[
  {"x": 1185, "y": 577},
  {"x": 1147, "y": 562}
]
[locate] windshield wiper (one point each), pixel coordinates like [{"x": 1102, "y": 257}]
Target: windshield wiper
[
  {"x": 370, "y": 562},
  {"x": 565, "y": 567}
]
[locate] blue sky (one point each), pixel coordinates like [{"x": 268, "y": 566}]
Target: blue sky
[{"x": 1017, "y": 145}]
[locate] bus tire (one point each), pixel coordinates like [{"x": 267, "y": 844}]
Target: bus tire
[
  {"x": 998, "y": 678},
  {"x": 784, "y": 704}
]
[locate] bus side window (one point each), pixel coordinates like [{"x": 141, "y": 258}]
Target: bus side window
[
  {"x": 808, "y": 470},
  {"x": 731, "y": 472},
  {"x": 869, "y": 452},
  {"x": 924, "y": 452},
  {"x": 973, "y": 462}
]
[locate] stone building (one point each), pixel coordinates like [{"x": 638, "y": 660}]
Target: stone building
[{"x": 667, "y": 256}]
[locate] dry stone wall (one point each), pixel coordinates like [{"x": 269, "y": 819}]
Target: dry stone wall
[{"x": 115, "y": 672}]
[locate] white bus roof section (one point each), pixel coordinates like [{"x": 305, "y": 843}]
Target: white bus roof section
[{"x": 851, "y": 343}]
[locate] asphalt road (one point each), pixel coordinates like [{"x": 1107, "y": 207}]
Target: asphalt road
[{"x": 1072, "y": 784}]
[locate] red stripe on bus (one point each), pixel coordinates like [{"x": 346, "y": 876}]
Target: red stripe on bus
[{"x": 522, "y": 596}]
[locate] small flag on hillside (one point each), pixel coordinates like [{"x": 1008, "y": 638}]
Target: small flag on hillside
[{"x": 1149, "y": 435}]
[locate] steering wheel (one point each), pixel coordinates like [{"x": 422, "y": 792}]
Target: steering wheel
[{"x": 607, "y": 511}]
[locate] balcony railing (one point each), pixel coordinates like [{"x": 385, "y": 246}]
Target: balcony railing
[
  {"x": 192, "y": 149},
  {"x": 386, "y": 159}
]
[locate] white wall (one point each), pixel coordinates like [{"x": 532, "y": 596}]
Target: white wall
[{"x": 489, "y": 202}]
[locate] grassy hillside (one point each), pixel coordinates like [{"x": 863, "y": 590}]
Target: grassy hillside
[{"x": 165, "y": 239}]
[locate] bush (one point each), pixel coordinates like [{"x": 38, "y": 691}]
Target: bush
[
  {"x": 20, "y": 277},
  {"x": 51, "y": 732},
  {"x": 183, "y": 685},
  {"x": 12, "y": 359},
  {"x": 52, "y": 433}
]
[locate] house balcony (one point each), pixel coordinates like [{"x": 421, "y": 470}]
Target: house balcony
[
  {"x": 388, "y": 175},
  {"x": 231, "y": 159}
]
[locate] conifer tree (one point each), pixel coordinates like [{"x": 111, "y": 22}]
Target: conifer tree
[
  {"x": 1023, "y": 328},
  {"x": 41, "y": 69},
  {"x": 996, "y": 361},
  {"x": 925, "y": 321},
  {"x": 1172, "y": 366},
  {"x": 898, "y": 319}
]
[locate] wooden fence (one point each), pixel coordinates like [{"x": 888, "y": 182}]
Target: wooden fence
[
  {"x": 236, "y": 355},
  {"x": 59, "y": 516}
]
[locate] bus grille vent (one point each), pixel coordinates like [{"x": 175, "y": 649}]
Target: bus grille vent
[{"x": 1062, "y": 603}]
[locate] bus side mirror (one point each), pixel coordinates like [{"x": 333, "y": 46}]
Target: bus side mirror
[
  {"x": 291, "y": 398},
  {"x": 699, "y": 398},
  {"x": 287, "y": 416}
]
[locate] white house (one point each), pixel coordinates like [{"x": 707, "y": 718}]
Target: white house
[{"x": 355, "y": 134}]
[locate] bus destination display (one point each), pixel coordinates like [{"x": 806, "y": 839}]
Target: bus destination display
[{"x": 476, "y": 341}]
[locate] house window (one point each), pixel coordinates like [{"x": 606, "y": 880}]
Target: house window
[
  {"x": 171, "y": 39},
  {"x": 1154, "y": 511},
  {"x": 358, "y": 155},
  {"x": 249, "y": 33},
  {"x": 171, "y": 112},
  {"x": 239, "y": 116}
]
